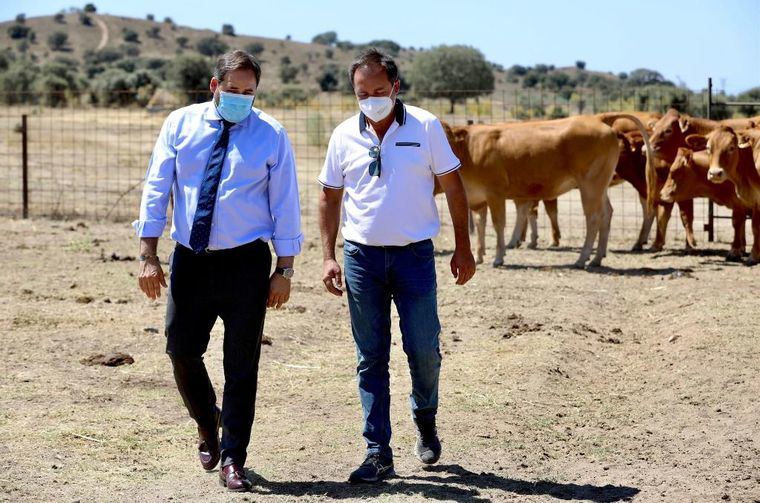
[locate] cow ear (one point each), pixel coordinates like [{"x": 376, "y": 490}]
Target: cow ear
[
  {"x": 745, "y": 141},
  {"x": 696, "y": 142},
  {"x": 684, "y": 124}
]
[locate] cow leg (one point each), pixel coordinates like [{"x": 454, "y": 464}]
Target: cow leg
[
  {"x": 646, "y": 225},
  {"x": 604, "y": 232},
  {"x": 593, "y": 208},
  {"x": 738, "y": 220},
  {"x": 550, "y": 207},
  {"x": 663, "y": 217},
  {"x": 479, "y": 215},
  {"x": 522, "y": 208},
  {"x": 498, "y": 218},
  {"x": 533, "y": 221},
  {"x": 686, "y": 208},
  {"x": 754, "y": 256}
]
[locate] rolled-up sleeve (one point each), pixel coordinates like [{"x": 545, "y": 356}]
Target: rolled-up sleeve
[
  {"x": 283, "y": 201},
  {"x": 158, "y": 184}
]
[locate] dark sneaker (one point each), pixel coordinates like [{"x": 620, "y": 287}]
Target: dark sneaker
[
  {"x": 374, "y": 469},
  {"x": 428, "y": 447}
]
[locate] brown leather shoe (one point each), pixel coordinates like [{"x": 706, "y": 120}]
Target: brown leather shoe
[
  {"x": 208, "y": 445},
  {"x": 233, "y": 478}
]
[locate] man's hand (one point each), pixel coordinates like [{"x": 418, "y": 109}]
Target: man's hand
[
  {"x": 332, "y": 278},
  {"x": 151, "y": 277},
  {"x": 462, "y": 265},
  {"x": 279, "y": 291}
]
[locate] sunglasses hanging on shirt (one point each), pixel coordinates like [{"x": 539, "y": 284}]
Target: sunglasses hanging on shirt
[{"x": 374, "y": 166}]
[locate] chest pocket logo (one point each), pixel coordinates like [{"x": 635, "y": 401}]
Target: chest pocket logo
[{"x": 407, "y": 144}]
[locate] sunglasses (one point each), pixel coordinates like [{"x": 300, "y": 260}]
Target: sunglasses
[{"x": 374, "y": 166}]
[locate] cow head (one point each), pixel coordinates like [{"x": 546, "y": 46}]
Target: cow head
[
  {"x": 457, "y": 136},
  {"x": 678, "y": 176},
  {"x": 667, "y": 136},
  {"x": 723, "y": 150}
]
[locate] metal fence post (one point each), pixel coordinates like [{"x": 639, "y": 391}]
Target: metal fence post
[
  {"x": 24, "y": 168},
  {"x": 710, "y": 208}
]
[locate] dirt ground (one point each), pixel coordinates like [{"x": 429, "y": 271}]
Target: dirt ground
[{"x": 637, "y": 381}]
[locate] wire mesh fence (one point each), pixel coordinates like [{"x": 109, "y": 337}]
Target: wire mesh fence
[{"x": 88, "y": 161}]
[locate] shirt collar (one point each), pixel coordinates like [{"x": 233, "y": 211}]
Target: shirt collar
[
  {"x": 399, "y": 111},
  {"x": 210, "y": 114}
]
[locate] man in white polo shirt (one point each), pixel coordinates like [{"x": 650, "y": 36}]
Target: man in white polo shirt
[{"x": 382, "y": 164}]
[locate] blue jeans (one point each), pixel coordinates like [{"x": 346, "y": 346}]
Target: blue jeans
[{"x": 374, "y": 276}]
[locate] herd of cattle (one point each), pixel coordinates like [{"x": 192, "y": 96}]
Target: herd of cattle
[{"x": 669, "y": 159}]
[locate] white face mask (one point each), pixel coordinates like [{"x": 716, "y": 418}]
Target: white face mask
[{"x": 377, "y": 108}]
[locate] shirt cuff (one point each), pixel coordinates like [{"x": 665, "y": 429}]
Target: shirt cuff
[
  {"x": 450, "y": 170},
  {"x": 325, "y": 184},
  {"x": 149, "y": 228},
  {"x": 287, "y": 247}
]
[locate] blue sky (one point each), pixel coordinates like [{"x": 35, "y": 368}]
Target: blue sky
[{"x": 685, "y": 40}]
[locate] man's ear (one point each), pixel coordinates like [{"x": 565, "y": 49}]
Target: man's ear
[{"x": 213, "y": 85}]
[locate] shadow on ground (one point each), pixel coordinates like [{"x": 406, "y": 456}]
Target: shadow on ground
[{"x": 445, "y": 482}]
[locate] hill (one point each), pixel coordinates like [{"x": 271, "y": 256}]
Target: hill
[{"x": 120, "y": 60}]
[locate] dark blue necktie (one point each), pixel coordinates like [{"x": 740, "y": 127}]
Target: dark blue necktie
[{"x": 204, "y": 212}]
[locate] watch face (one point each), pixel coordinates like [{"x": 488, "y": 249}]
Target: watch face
[{"x": 288, "y": 272}]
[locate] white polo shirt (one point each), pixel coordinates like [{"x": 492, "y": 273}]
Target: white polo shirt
[{"x": 397, "y": 207}]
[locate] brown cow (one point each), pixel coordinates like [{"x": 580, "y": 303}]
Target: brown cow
[
  {"x": 687, "y": 179},
  {"x": 736, "y": 158},
  {"x": 542, "y": 161},
  {"x": 630, "y": 167},
  {"x": 669, "y": 134}
]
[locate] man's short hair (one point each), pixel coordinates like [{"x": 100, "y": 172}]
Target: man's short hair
[
  {"x": 236, "y": 60},
  {"x": 374, "y": 56}
]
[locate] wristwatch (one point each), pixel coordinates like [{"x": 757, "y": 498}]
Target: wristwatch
[{"x": 285, "y": 272}]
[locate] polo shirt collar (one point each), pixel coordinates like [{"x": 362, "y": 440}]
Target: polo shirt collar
[
  {"x": 399, "y": 111},
  {"x": 211, "y": 114}
]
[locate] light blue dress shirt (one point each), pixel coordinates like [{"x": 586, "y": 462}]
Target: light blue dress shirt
[{"x": 258, "y": 190}]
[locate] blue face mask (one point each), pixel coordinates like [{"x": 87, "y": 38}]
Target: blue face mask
[{"x": 234, "y": 107}]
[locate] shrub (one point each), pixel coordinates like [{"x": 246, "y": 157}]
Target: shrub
[
  {"x": 85, "y": 19},
  {"x": 21, "y": 18},
  {"x": 59, "y": 18},
  {"x": 329, "y": 78},
  {"x": 254, "y": 48},
  {"x": 228, "y": 29},
  {"x": 90, "y": 7},
  {"x": 288, "y": 73},
  {"x": 150, "y": 17},
  {"x": 211, "y": 46},
  {"x": 153, "y": 32},
  {"x": 130, "y": 35},
  {"x": 19, "y": 31},
  {"x": 190, "y": 73},
  {"x": 326, "y": 38},
  {"x": 182, "y": 41},
  {"x": 132, "y": 50},
  {"x": 57, "y": 40}
]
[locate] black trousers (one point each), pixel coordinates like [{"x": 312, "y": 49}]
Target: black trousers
[{"x": 233, "y": 285}]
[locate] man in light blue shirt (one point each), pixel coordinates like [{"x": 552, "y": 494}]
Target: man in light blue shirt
[{"x": 230, "y": 168}]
